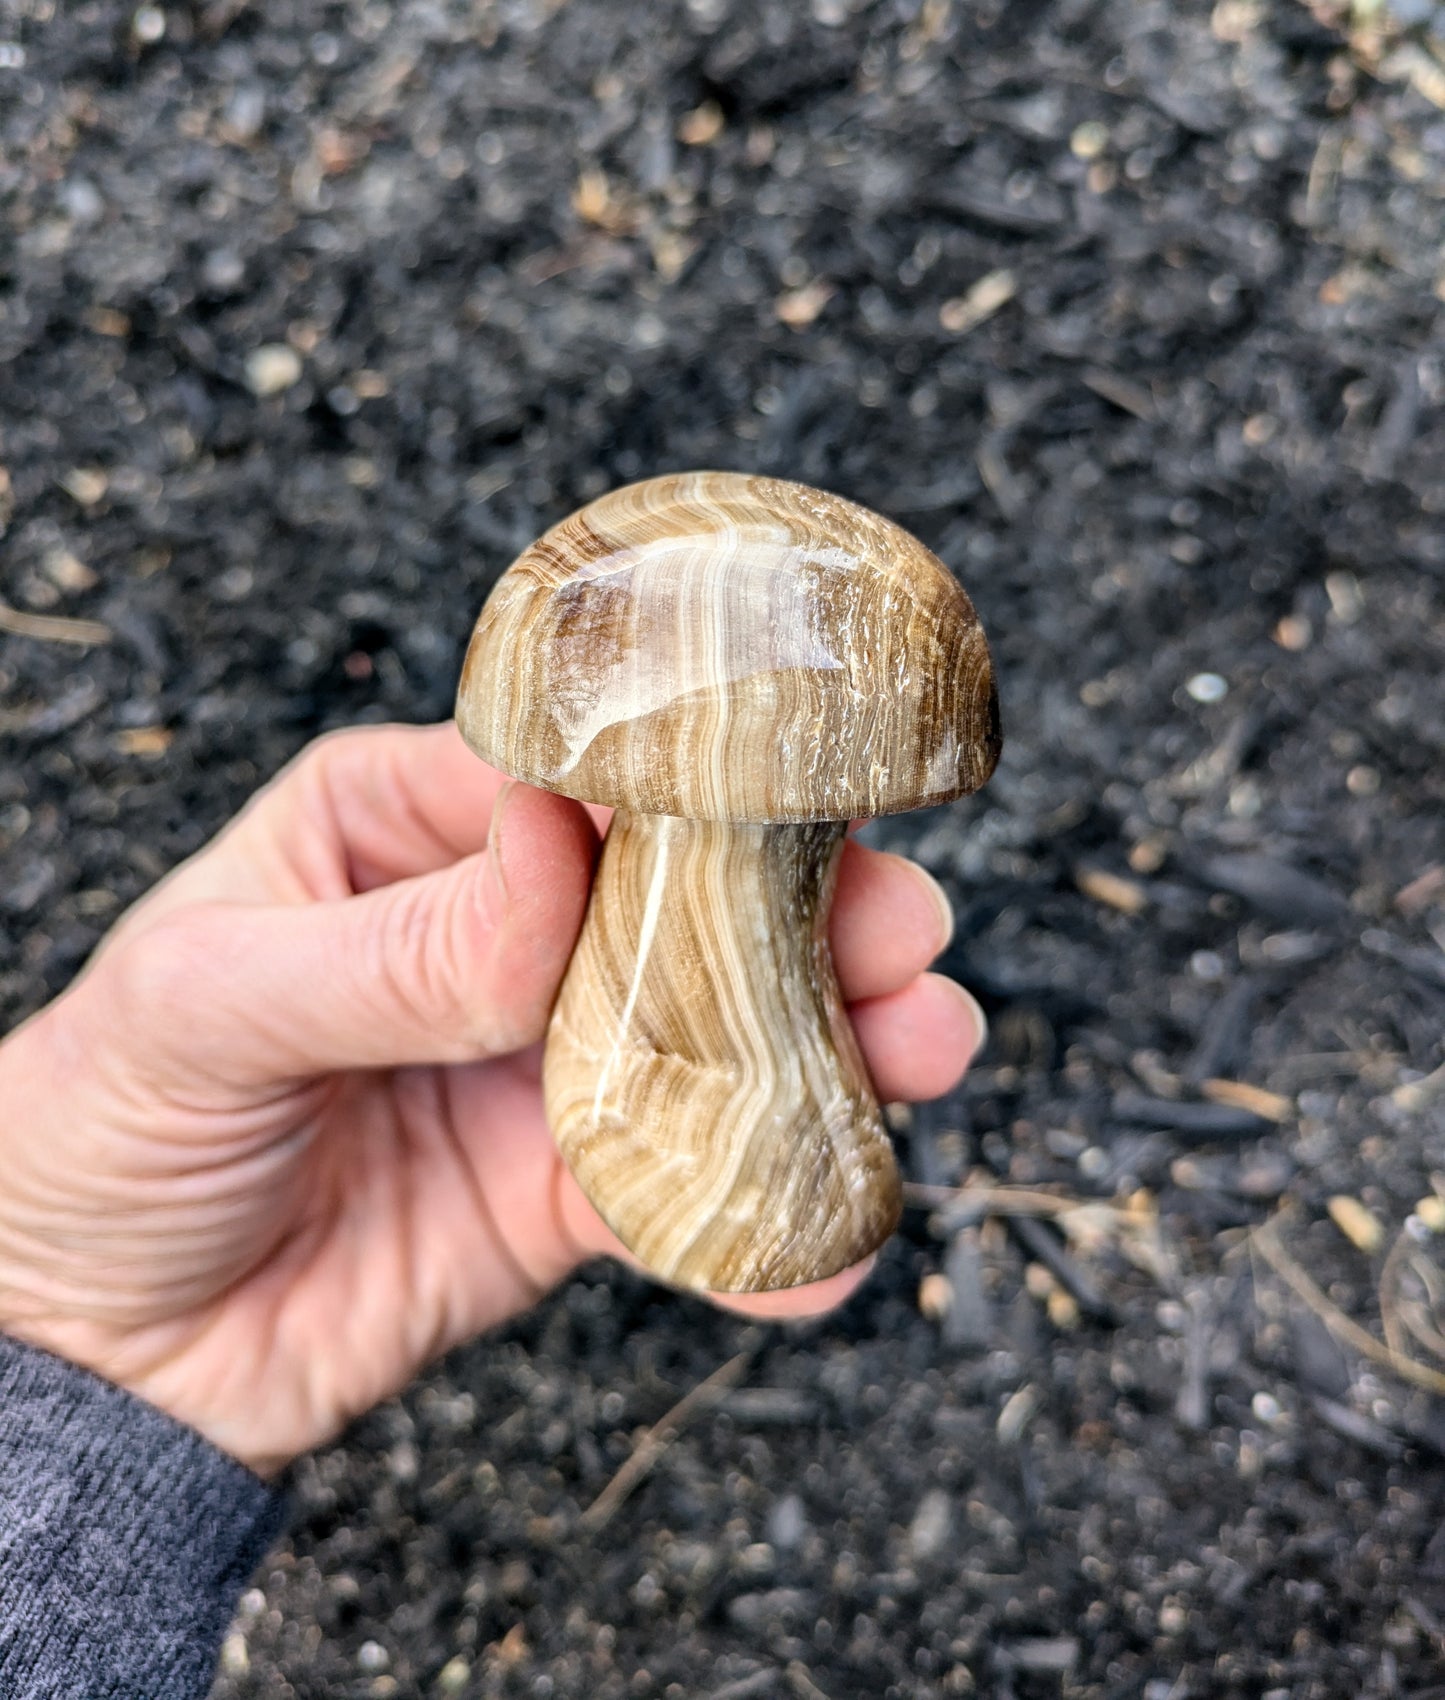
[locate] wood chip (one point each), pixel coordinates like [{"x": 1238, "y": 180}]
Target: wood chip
[
  {"x": 105, "y": 321},
  {"x": 1293, "y": 633},
  {"x": 935, "y": 1296},
  {"x": 52, "y": 628},
  {"x": 84, "y": 485},
  {"x": 144, "y": 740},
  {"x": 1240, "y": 1095},
  {"x": 597, "y": 203},
  {"x": 1361, "y": 1227},
  {"x": 702, "y": 125},
  {"x": 798, "y": 308},
  {"x": 1017, "y": 1413},
  {"x": 1412, "y": 64},
  {"x": 1124, "y": 393},
  {"x": 66, "y": 571},
  {"x": 1431, "y": 1211},
  {"x": 1062, "y": 1310},
  {"x": 1422, "y": 891},
  {"x": 978, "y": 302},
  {"x": 1416, "y": 1095},
  {"x": 512, "y": 1648},
  {"x": 670, "y": 253},
  {"x": 1128, "y": 896}
]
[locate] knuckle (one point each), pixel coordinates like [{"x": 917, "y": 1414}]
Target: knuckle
[{"x": 157, "y": 972}]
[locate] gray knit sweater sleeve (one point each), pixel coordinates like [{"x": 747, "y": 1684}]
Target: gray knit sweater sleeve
[{"x": 125, "y": 1539}]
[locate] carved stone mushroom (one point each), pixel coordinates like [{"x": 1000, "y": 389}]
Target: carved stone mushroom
[{"x": 739, "y": 667}]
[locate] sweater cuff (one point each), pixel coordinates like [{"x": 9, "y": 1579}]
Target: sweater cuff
[{"x": 125, "y": 1539}]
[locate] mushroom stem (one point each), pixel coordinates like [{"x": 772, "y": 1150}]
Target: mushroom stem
[{"x": 702, "y": 1079}]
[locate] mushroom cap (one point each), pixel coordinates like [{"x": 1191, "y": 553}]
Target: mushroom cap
[{"x": 727, "y": 647}]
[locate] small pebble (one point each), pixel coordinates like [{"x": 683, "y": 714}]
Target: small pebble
[
  {"x": 149, "y": 25},
  {"x": 1089, "y": 140},
  {"x": 235, "y": 584},
  {"x": 1173, "y": 1618},
  {"x": 222, "y": 270},
  {"x": 371, "y": 1657},
  {"x": 245, "y": 113},
  {"x": 931, "y": 1526},
  {"x": 787, "y": 1523},
  {"x": 1207, "y": 687},
  {"x": 1346, "y": 603},
  {"x": 272, "y": 368},
  {"x": 1266, "y": 1407},
  {"x": 235, "y": 1658},
  {"x": 452, "y": 1677},
  {"x": 1206, "y": 965}
]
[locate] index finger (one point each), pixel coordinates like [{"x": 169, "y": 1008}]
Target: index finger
[{"x": 354, "y": 810}]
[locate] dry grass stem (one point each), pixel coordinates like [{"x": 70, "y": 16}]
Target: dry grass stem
[
  {"x": 661, "y": 1435},
  {"x": 52, "y": 628},
  {"x": 1267, "y": 1243}
]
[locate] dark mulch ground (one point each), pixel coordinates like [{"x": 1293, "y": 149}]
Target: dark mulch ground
[{"x": 1191, "y": 465}]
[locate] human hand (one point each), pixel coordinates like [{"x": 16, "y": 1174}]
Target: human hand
[{"x": 283, "y": 1141}]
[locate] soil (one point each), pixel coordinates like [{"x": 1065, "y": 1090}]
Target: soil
[{"x": 1132, "y": 310}]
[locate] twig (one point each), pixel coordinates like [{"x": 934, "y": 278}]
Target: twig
[
  {"x": 802, "y": 1680},
  {"x": 1412, "y": 1316},
  {"x": 973, "y": 1203},
  {"x": 52, "y": 628},
  {"x": 1388, "y": 1294},
  {"x": 1417, "y": 1322},
  {"x": 660, "y": 1436},
  {"x": 746, "y": 1687},
  {"x": 1266, "y": 1241}
]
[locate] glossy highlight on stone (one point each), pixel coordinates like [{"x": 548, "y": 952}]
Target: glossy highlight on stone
[
  {"x": 739, "y": 666},
  {"x": 725, "y": 647}
]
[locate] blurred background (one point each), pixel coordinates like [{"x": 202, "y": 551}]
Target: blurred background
[{"x": 312, "y": 315}]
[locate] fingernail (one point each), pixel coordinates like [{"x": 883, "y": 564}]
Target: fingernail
[
  {"x": 494, "y": 879},
  {"x": 976, "y": 1015},
  {"x": 939, "y": 898}
]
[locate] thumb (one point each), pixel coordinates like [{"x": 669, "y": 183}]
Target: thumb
[{"x": 446, "y": 967}]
